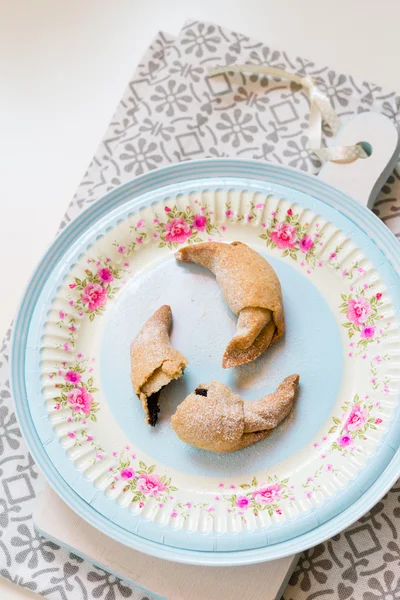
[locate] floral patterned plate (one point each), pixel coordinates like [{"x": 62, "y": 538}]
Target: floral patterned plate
[{"x": 114, "y": 266}]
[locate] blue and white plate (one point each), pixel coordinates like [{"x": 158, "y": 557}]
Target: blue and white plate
[{"x": 110, "y": 269}]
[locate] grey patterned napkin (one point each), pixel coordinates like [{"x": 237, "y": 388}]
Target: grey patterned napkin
[{"x": 171, "y": 111}]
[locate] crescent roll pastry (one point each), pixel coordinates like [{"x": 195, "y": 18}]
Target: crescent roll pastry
[
  {"x": 252, "y": 291},
  {"x": 154, "y": 363},
  {"x": 214, "y": 418}
]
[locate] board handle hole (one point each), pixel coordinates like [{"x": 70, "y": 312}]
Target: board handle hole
[{"x": 366, "y": 146}]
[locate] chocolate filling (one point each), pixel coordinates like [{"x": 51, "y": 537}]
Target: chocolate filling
[
  {"x": 201, "y": 392},
  {"x": 153, "y": 407}
]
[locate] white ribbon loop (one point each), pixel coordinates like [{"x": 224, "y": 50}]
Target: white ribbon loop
[{"x": 321, "y": 110}]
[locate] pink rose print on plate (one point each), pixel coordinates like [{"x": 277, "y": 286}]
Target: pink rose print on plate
[
  {"x": 355, "y": 418},
  {"x": 72, "y": 377},
  {"x": 242, "y": 502},
  {"x": 367, "y": 333},
  {"x": 127, "y": 473},
  {"x": 345, "y": 441},
  {"x": 358, "y": 311},
  {"x": 267, "y": 494},
  {"x": 178, "y": 230},
  {"x": 199, "y": 222},
  {"x": 80, "y": 399},
  {"x": 105, "y": 275},
  {"x": 306, "y": 244},
  {"x": 150, "y": 485},
  {"x": 284, "y": 235},
  {"x": 94, "y": 295}
]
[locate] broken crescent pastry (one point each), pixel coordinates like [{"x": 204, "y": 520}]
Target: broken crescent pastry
[
  {"x": 154, "y": 362},
  {"x": 214, "y": 418},
  {"x": 252, "y": 291}
]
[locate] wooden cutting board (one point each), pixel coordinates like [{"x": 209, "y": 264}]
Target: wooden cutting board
[{"x": 56, "y": 521}]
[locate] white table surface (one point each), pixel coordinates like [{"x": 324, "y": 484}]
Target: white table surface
[{"x": 64, "y": 66}]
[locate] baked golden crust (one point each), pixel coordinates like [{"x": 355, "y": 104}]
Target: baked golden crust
[
  {"x": 252, "y": 291},
  {"x": 215, "y": 418},
  {"x": 154, "y": 362}
]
